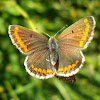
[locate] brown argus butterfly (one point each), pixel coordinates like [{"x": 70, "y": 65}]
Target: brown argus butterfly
[{"x": 61, "y": 57}]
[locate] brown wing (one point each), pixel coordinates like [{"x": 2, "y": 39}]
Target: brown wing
[
  {"x": 26, "y": 40},
  {"x": 70, "y": 79},
  {"x": 70, "y": 43},
  {"x": 70, "y": 60},
  {"x": 38, "y": 64},
  {"x": 78, "y": 35}
]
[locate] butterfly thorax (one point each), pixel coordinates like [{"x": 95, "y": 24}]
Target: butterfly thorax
[{"x": 53, "y": 50}]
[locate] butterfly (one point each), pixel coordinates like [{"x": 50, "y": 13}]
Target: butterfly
[{"x": 61, "y": 57}]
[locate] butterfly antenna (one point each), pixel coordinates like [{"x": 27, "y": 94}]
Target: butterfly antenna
[
  {"x": 60, "y": 30},
  {"x": 43, "y": 32}
]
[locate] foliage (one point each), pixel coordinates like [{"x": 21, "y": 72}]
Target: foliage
[{"x": 48, "y": 16}]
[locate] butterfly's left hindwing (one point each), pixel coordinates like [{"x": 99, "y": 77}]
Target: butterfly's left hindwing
[{"x": 38, "y": 65}]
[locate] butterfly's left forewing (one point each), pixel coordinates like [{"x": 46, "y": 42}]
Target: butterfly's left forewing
[{"x": 26, "y": 40}]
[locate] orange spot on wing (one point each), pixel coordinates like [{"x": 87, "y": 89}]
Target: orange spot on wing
[
  {"x": 86, "y": 29},
  {"x": 65, "y": 68},
  {"x": 40, "y": 70},
  {"x": 69, "y": 67},
  {"x": 85, "y": 20},
  {"x": 35, "y": 69},
  {"x": 76, "y": 62},
  {"x": 49, "y": 71},
  {"x": 16, "y": 28},
  {"x": 21, "y": 43},
  {"x": 19, "y": 40},
  {"x": 44, "y": 71},
  {"x": 60, "y": 69},
  {"x": 80, "y": 43},
  {"x": 83, "y": 37},
  {"x": 17, "y": 36},
  {"x": 73, "y": 65},
  {"x": 87, "y": 24},
  {"x": 15, "y": 32},
  {"x": 32, "y": 66},
  {"x": 85, "y": 33},
  {"x": 25, "y": 48}
]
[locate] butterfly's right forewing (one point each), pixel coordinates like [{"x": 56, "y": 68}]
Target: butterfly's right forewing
[{"x": 79, "y": 34}]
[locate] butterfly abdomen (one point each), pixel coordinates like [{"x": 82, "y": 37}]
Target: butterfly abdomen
[{"x": 53, "y": 50}]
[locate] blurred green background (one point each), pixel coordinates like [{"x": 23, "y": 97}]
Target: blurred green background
[{"x": 48, "y": 16}]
